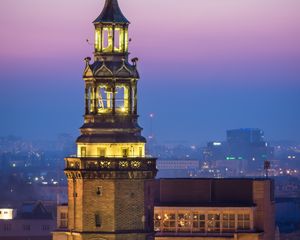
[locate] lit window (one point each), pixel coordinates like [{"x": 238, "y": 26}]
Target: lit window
[
  {"x": 117, "y": 43},
  {"x": 169, "y": 222},
  {"x": 101, "y": 152},
  {"x": 183, "y": 222},
  {"x": 97, "y": 40},
  {"x": 121, "y": 98},
  {"x": 157, "y": 222},
  {"x": 83, "y": 151},
  {"x": 104, "y": 98},
  {"x": 198, "y": 222},
  {"x": 243, "y": 222},
  {"x": 213, "y": 223},
  {"x": 125, "y": 152},
  {"x": 140, "y": 151},
  {"x": 228, "y": 222},
  {"x": 107, "y": 39}
]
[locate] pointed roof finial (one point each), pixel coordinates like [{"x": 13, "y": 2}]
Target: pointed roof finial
[{"x": 111, "y": 13}]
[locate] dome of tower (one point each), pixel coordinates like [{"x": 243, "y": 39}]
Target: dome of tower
[{"x": 111, "y": 13}]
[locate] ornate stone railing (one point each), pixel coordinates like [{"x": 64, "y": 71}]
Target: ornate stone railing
[{"x": 111, "y": 164}]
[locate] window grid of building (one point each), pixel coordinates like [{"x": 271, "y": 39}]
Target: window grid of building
[
  {"x": 63, "y": 220},
  {"x": 7, "y": 227},
  {"x": 243, "y": 222},
  {"x": 198, "y": 222},
  {"x": 228, "y": 222},
  {"x": 213, "y": 223},
  {"x": 203, "y": 221}
]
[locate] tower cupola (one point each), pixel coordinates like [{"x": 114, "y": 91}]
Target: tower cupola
[{"x": 111, "y": 31}]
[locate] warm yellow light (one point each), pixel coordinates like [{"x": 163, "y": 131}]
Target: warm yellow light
[
  {"x": 97, "y": 40},
  {"x": 6, "y": 214},
  {"x": 111, "y": 150}
]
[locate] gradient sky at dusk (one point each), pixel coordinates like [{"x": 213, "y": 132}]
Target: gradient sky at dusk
[{"x": 206, "y": 66}]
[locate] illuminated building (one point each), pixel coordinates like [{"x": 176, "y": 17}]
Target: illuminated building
[
  {"x": 212, "y": 209},
  {"x": 7, "y": 213},
  {"x": 112, "y": 194},
  {"x": 106, "y": 177}
]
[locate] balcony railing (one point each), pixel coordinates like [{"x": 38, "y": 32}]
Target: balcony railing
[
  {"x": 111, "y": 163},
  {"x": 110, "y": 156}
]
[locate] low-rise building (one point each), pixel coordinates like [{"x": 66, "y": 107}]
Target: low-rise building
[
  {"x": 31, "y": 222},
  {"x": 214, "y": 209}
]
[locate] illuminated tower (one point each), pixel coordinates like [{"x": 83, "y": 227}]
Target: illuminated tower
[{"x": 106, "y": 177}]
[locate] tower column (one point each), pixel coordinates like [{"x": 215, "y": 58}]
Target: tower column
[
  {"x": 124, "y": 39},
  {"x": 95, "y": 99},
  {"x": 113, "y": 38},
  {"x": 130, "y": 98},
  {"x": 114, "y": 97},
  {"x": 135, "y": 98},
  {"x": 86, "y": 100},
  {"x": 102, "y": 39}
]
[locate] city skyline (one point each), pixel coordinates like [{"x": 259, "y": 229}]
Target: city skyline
[{"x": 222, "y": 66}]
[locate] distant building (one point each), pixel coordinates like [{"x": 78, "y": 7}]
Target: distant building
[
  {"x": 249, "y": 147},
  {"x": 215, "y": 151},
  {"x": 244, "y": 150},
  {"x": 31, "y": 222}
]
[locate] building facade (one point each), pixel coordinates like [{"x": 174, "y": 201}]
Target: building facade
[
  {"x": 106, "y": 177},
  {"x": 212, "y": 209},
  {"x": 32, "y": 221}
]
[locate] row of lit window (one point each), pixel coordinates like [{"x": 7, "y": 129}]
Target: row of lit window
[
  {"x": 110, "y": 39},
  {"x": 101, "y": 152},
  {"x": 200, "y": 222}
]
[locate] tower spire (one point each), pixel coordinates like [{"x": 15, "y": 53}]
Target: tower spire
[{"x": 111, "y": 13}]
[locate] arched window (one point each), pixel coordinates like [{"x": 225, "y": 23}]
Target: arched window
[
  {"x": 107, "y": 39},
  {"x": 104, "y": 98},
  {"x": 122, "y": 99}
]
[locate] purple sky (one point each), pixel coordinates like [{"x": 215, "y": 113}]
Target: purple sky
[{"x": 206, "y": 65}]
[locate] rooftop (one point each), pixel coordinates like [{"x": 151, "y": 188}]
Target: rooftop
[{"x": 111, "y": 13}]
